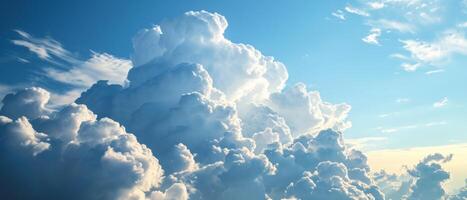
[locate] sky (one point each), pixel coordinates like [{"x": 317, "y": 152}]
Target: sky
[{"x": 393, "y": 70}]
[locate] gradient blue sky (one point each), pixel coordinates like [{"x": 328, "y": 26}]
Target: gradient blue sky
[{"x": 320, "y": 42}]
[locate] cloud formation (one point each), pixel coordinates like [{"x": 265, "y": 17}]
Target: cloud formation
[
  {"x": 67, "y": 69},
  {"x": 201, "y": 117}
]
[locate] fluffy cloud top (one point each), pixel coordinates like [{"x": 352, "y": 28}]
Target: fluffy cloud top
[
  {"x": 70, "y": 152},
  {"x": 238, "y": 70}
]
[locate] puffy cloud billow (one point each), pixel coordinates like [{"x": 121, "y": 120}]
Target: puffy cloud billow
[{"x": 201, "y": 117}]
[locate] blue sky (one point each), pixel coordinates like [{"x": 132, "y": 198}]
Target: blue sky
[{"x": 321, "y": 43}]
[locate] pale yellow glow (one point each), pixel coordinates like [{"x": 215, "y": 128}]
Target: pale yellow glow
[{"x": 393, "y": 160}]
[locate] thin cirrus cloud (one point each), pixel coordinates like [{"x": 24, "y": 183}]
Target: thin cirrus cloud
[
  {"x": 437, "y": 71},
  {"x": 411, "y": 126},
  {"x": 356, "y": 11},
  {"x": 68, "y": 69},
  {"x": 45, "y": 48},
  {"x": 338, "y": 14},
  {"x": 201, "y": 117}
]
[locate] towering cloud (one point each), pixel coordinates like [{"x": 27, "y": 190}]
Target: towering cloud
[
  {"x": 429, "y": 175},
  {"x": 68, "y": 154}
]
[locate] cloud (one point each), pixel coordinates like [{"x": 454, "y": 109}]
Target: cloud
[
  {"x": 437, "y": 71},
  {"x": 99, "y": 67},
  {"x": 338, "y": 14},
  {"x": 429, "y": 175},
  {"x": 69, "y": 70},
  {"x": 177, "y": 191},
  {"x": 423, "y": 51},
  {"x": 29, "y": 102},
  {"x": 45, "y": 48},
  {"x": 199, "y": 117},
  {"x": 450, "y": 43},
  {"x": 305, "y": 112},
  {"x": 356, "y": 11},
  {"x": 376, "y": 5},
  {"x": 397, "y": 129},
  {"x": 385, "y": 24},
  {"x": 441, "y": 103},
  {"x": 238, "y": 70},
  {"x": 372, "y": 38},
  {"x": 462, "y": 25},
  {"x": 70, "y": 150},
  {"x": 462, "y": 194},
  {"x": 394, "y": 160},
  {"x": 410, "y": 67}
]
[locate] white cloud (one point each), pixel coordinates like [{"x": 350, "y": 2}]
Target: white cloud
[
  {"x": 45, "y": 48},
  {"x": 305, "y": 112},
  {"x": 385, "y": 24},
  {"x": 410, "y": 67},
  {"x": 423, "y": 51},
  {"x": 339, "y": 14},
  {"x": 441, "y": 103},
  {"x": 68, "y": 69},
  {"x": 376, "y": 5},
  {"x": 372, "y": 38},
  {"x": 105, "y": 160},
  {"x": 437, "y": 71},
  {"x": 101, "y": 66},
  {"x": 452, "y": 42},
  {"x": 462, "y": 25},
  {"x": 356, "y": 11},
  {"x": 397, "y": 129},
  {"x": 29, "y": 102}
]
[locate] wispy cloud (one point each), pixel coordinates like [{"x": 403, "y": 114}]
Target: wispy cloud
[
  {"x": 410, "y": 126},
  {"x": 386, "y": 24},
  {"x": 45, "y": 48},
  {"x": 452, "y": 42},
  {"x": 441, "y": 103},
  {"x": 365, "y": 142},
  {"x": 339, "y": 14},
  {"x": 356, "y": 11},
  {"x": 71, "y": 70},
  {"x": 397, "y": 129},
  {"x": 437, "y": 71},
  {"x": 372, "y": 38},
  {"x": 101, "y": 66}
]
